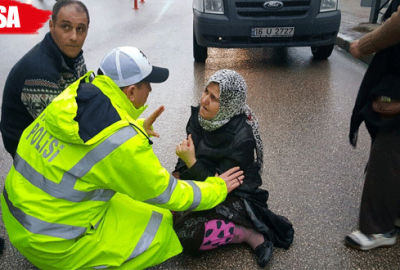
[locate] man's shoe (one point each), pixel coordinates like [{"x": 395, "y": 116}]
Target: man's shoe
[
  {"x": 360, "y": 241},
  {"x": 264, "y": 253}
]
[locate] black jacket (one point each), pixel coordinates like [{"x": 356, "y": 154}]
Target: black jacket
[
  {"x": 234, "y": 145},
  {"x": 216, "y": 152},
  {"x": 381, "y": 79},
  {"x": 44, "y": 72}
]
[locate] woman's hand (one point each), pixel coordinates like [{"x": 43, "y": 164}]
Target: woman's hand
[
  {"x": 148, "y": 122},
  {"x": 185, "y": 151},
  {"x": 233, "y": 178}
]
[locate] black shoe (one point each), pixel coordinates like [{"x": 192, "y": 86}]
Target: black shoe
[
  {"x": 1, "y": 245},
  {"x": 264, "y": 253}
]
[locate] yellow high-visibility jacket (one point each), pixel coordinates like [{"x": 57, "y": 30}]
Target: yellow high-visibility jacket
[{"x": 87, "y": 191}]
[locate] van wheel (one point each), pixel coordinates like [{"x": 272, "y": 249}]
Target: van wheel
[
  {"x": 199, "y": 52},
  {"x": 322, "y": 52}
]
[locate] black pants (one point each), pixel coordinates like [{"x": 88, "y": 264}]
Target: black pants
[{"x": 380, "y": 203}]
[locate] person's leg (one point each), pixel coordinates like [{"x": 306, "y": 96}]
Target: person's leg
[
  {"x": 205, "y": 230},
  {"x": 381, "y": 195},
  {"x": 219, "y": 232},
  {"x": 380, "y": 203},
  {"x": 197, "y": 235},
  {"x": 130, "y": 235},
  {"x": 193, "y": 227},
  {"x": 189, "y": 228}
]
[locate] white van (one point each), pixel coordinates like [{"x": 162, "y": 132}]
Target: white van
[{"x": 265, "y": 23}]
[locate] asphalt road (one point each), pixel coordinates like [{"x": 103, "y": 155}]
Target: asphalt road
[{"x": 303, "y": 106}]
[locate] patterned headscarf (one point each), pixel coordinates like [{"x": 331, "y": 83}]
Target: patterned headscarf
[{"x": 232, "y": 101}]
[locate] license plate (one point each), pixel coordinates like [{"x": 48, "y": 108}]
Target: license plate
[{"x": 272, "y": 32}]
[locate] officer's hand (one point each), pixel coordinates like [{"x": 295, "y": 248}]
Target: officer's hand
[
  {"x": 232, "y": 177},
  {"x": 148, "y": 122}
]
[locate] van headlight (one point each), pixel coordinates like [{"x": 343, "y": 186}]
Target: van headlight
[
  {"x": 209, "y": 6},
  {"x": 328, "y": 5}
]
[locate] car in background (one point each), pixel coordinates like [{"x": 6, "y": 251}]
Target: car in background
[{"x": 265, "y": 23}]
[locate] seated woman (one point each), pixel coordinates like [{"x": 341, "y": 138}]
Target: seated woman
[{"x": 223, "y": 133}]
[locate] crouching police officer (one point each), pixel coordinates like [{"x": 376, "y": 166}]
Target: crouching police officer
[{"x": 86, "y": 189}]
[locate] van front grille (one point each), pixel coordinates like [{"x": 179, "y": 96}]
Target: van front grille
[{"x": 256, "y": 8}]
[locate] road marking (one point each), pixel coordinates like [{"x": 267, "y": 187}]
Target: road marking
[{"x": 165, "y": 8}]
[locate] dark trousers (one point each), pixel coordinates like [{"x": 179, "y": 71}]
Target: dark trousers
[{"x": 380, "y": 203}]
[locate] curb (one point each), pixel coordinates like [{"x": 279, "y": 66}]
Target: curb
[{"x": 344, "y": 41}]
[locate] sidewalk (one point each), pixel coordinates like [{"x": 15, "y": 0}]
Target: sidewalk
[{"x": 354, "y": 25}]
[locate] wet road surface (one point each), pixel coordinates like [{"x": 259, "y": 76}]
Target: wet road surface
[{"x": 303, "y": 106}]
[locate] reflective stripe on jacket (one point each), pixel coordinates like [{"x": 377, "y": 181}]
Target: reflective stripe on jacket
[{"x": 71, "y": 163}]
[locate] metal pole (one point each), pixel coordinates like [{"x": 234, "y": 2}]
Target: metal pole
[
  {"x": 135, "y": 6},
  {"x": 375, "y": 8}
]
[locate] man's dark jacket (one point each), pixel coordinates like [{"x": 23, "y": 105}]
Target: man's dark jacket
[{"x": 34, "y": 81}]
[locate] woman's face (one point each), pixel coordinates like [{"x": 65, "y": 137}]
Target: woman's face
[{"x": 209, "y": 102}]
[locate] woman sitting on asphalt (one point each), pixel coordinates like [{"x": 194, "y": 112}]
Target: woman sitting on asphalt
[{"x": 223, "y": 133}]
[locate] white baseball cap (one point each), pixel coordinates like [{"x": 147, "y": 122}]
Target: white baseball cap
[{"x": 128, "y": 65}]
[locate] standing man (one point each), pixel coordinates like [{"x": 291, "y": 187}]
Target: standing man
[
  {"x": 45, "y": 71},
  {"x": 379, "y": 90},
  {"x": 86, "y": 189}
]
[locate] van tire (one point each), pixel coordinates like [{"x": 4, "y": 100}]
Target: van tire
[
  {"x": 322, "y": 52},
  {"x": 199, "y": 52}
]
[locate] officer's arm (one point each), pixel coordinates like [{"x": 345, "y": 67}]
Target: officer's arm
[{"x": 142, "y": 177}]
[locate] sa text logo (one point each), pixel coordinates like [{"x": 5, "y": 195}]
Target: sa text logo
[{"x": 20, "y": 18}]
